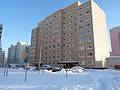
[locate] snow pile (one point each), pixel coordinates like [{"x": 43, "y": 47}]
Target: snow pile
[{"x": 77, "y": 69}]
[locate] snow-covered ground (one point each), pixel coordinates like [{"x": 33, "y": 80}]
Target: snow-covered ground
[{"x": 88, "y": 80}]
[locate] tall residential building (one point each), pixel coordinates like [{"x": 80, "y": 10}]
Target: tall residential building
[
  {"x": 1, "y": 52},
  {"x": 115, "y": 41},
  {"x": 76, "y": 34},
  {"x": 15, "y": 53}
]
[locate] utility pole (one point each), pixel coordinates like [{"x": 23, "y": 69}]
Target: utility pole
[{"x": 40, "y": 57}]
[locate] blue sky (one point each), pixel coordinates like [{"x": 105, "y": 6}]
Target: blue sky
[{"x": 19, "y": 17}]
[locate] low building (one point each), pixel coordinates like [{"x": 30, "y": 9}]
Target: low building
[
  {"x": 15, "y": 53},
  {"x": 115, "y": 40},
  {"x": 113, "y": 61}
]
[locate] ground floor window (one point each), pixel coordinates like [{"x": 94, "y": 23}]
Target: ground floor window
[{"x": 82, "y": 62}]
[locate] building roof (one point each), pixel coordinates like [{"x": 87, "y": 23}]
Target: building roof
[
  {"x": 115, "y": 27},
  {"x": 114, "y": 57}
]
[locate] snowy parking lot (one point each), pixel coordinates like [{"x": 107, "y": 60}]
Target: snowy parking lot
[{"x": 87, "y": 80}]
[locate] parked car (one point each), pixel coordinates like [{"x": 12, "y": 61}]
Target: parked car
[
  {"x": 46, "y": 67},
  {"x": 54, "y": 69},
  {"x": 14, "y": 66},
  {"x": 77, "y": 69}
]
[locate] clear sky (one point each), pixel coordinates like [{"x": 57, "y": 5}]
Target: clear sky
[{"x": 19, "y": 17}]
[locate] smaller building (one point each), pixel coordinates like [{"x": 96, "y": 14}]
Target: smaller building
[
  {"x": 115, "y": 40},
  {"x": 1, "y": 52},
  {"x": 2, "y": 58},
  {"x": 113, "y": 62},
  {"x": 15, "y": 53}
]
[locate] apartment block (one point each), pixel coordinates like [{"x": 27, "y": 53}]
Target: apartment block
[
  {"x": 1, "y": 52},
  {"x": 15, "y": 53},
  {"x": 115, "y": 41},
  {"x": 74, "y": 35}
]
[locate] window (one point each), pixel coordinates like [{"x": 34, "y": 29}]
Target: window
[
  {"x": 88, "y": 39},
  {"x": 49, "y": 46},
  {"x": 58, "y": 57},
  {"x": 69, "y": 17},
  {"x": 74, "y": 12},
  {"x": 53, "y": 57},
  {"x": 81, "y": 55},
  {"x": 74, "y": 7},
  {"x": 58, "y": 40},
  {"x": 81, "y": 41},
  {"x": 80, "y": 15},
  {"x": 68, "y": 52},
  {"x": 58, "y": 24},
  {"x": 58, "y": 50},
  {"x": 75, "y": 36},
  {"x": 89, "y": 46},
  {"x": 88, "y": 32},
  {"x": 69, "y": 40},
  {"x": 82, "y": 62},
  {"x": 58, "y": 45},
  {"x": 81, "y": 34},
  {"x": 68, "y": 46},
  {"x": 70, "y": 28},
  {"x": 90, "y": 63},
  {"x": 50, "y": 27},
  {"x": 87, "y": 25},
  {"x": 49, "y": 41},
  {"x": 63, "y": 12},
  {"x": 87, "y": 12},
  {"x": 80, "y": 27},
  {"x": 53, "y": 51},
  {"x": 75, "y": 24},
  {"x": 87, "y": 18},
  {"x": 63, "y": 45},
  {"x": 74, "y": 18},
  {"x": 70, "y": 11},
  {"x": 79, "y": 9},
  {"x": 81, "y": 47},
  {"x": 58, "y": 14},
  {"x": 80, "y": 21},
  {"x": 45, "y": 52},
  {"x": 75, "y": 30},
  {"x": 63, "y": 17},
  {"x": 53, "y": 41},
  {"x": 88, "y": 5},
  {"x": 54, "y": 46},
  {"x": 71, "y": 51},
  {"x": 54, "y": 26},
  {"x": 49, "y": 52},
  {"x": 46, "y": 58},
  {"x": 89, "y": 54}
]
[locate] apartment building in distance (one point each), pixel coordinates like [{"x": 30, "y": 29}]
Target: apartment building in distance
[
  {"x": 115, "y": 40},
  {"x": 1, "y": 52},
  {"x": 15, "y": 53},
  {"x": 76, "y": 34}
]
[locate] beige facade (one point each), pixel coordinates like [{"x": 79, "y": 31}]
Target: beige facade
[{"x": 75, "y": 33}]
